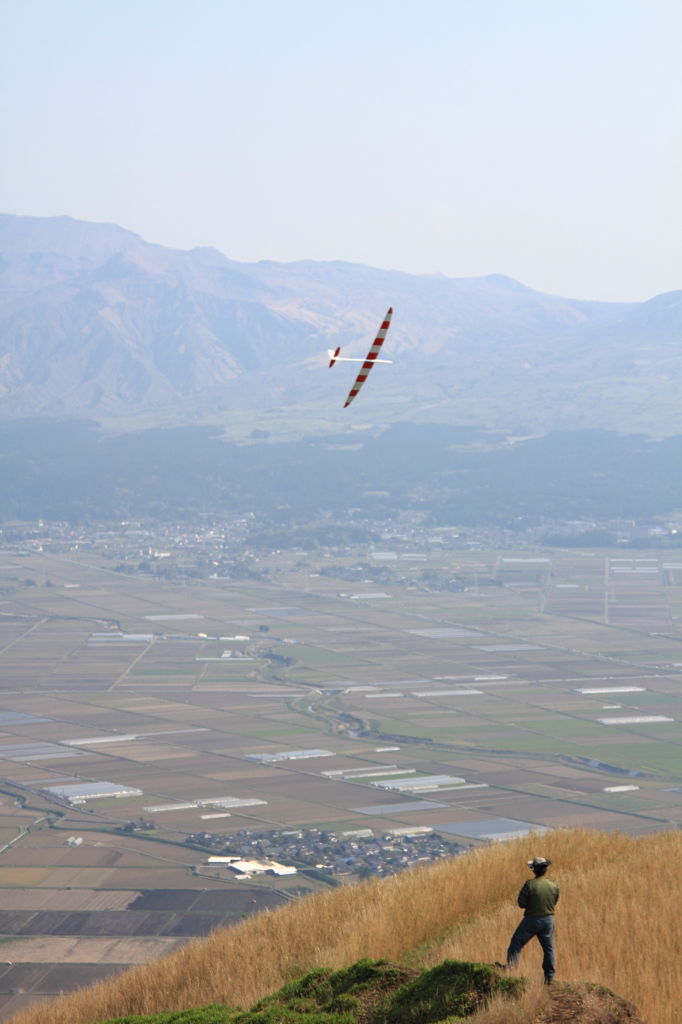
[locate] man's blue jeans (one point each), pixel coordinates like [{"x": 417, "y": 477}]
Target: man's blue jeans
[{"x": 543, "y": 929}]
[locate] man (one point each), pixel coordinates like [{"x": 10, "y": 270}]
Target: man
[{"x": 538, "y": 898}]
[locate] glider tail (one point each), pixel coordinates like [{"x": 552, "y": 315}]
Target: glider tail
[
  {"x": 333, "y": 356},
  {"x": 371, "y": 357}
]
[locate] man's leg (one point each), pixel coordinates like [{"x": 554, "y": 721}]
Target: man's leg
[
  {"x": 521, "y": 936},
  {"x": 545, "y": 935}
]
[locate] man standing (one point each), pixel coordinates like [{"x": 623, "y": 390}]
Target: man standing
[{"x": 538, "y": 898}]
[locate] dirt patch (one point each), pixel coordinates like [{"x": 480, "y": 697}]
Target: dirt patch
[
  {"x": 587, "y": 1004},
  {"x": 243, "y": 902},
  {"x": 166, "y": 899}
]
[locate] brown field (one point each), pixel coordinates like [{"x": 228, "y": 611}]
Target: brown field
[
  {"x": 69, "y": 899},
  {"x": 75, "y": 950},
  {"x": 22, "y": 876}
]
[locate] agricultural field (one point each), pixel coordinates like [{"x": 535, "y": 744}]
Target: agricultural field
[{"x": 546, "y": 693}]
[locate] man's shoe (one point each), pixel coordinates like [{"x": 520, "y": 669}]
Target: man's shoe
[
  {"x": 549, "y": 981},
  {"x": 500, "y": 967}
]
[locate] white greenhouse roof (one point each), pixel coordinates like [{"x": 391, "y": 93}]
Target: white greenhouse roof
[
  {"x": 92, "y": 791},
  {"x": 288, "y": 755}
]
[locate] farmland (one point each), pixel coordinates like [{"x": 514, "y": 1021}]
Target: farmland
[{"x": 169, "y": 687}]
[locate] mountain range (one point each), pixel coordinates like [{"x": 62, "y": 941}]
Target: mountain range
[{"x": 96, "y": 322}]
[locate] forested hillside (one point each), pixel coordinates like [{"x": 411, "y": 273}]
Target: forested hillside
[{"x": 456, "y": 475}]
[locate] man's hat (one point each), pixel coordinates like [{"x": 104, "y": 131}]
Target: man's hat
[{"x": 538, "y": 862}]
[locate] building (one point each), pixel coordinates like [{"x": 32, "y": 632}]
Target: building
[{"x": 253, "y": 867}]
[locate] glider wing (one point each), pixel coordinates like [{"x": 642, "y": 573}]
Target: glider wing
[{"x": 371, "y": 358}]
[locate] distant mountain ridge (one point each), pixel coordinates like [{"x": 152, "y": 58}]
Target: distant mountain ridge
[{"x": 96, "y": 322}]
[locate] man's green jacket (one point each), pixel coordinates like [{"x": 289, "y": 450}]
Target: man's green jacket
[{"x": 539, "y": 897}]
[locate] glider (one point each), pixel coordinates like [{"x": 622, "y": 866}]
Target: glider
[{"x": 367, "y": 363}]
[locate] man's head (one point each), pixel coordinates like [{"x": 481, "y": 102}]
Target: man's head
[{"x": 539, "y": 866}]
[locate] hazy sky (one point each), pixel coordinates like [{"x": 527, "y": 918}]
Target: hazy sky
[{"x": 535, "y": 138}]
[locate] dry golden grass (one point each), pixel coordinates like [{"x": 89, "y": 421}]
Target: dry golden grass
[{"x": 619, "y": 923}]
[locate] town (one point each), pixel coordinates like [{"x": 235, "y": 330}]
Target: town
[{"x": 356, "y": 853}]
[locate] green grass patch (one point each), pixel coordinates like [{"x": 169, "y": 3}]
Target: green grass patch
[
  {"x": 229, "y": 679},
  {"x": 488, "y": 728},
  {"x": 281, "y": 732},
  {"x": 189, "y": 672},
  {"x": 649, "y": 698},
  {"x": 369, "y": 992},
  {"x": 564, "y": 727},
  {"x": 659, "y": 758},
  {"x": 541, "y": 745},
  {"x": 396, "y": 727},
  {"x": 320, "y": 656}
]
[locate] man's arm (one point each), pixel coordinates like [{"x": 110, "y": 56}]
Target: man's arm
[
  {"x": 557, "y": 895},
  {"x": 523, "y": 896}
]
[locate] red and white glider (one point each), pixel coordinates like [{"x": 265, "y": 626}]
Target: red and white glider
[{"x": 367, "y": 363}]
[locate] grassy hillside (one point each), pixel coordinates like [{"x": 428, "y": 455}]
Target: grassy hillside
[
  {"x": 379, "y": 992},
  {"x": 619, "y": 924},
  {"x": 368, "y": 992}
]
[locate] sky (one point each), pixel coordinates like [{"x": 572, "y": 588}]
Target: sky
[{"x": 534, "y": 138}]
